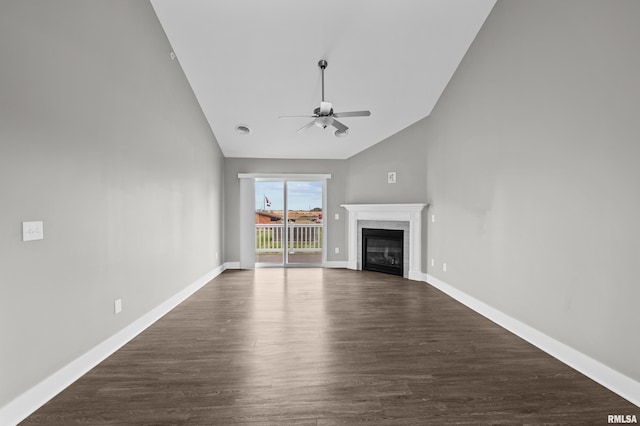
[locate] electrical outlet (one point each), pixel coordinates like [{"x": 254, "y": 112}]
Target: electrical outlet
[
  {"x": 337, "y": 250},
  {"x": 444, "y": 267},
  {"x": 117, "y": 306},
  {"x": 433, "y": 218},
  {"x": 433, "y": 262},
  {"x": 337, "y": 216},
  {"x": 391, "y": 177}
]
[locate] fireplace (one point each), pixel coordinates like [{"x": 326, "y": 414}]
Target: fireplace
[
  {"x": 381, "y": 216},
  {"x": 383, "y": 250}
]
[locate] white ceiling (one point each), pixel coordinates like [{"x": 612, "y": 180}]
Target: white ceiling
[{"x": 251, "y": 61}]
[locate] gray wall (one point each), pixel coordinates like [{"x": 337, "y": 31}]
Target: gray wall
[
  {"x": 532, "y": 173},
  {"x": 336, "y": 229},
  {"x": 103, "y": 140}
]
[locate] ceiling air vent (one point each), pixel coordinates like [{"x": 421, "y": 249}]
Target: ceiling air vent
[{"x": 243, "y": 129}]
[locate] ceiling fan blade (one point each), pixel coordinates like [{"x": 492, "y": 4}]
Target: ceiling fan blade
[
  {"x": 306, "y": 126},
  {"x": 298, "y": 116},
  {"x": 352, "y": 114},
  {"x": 338, "y": 125}
]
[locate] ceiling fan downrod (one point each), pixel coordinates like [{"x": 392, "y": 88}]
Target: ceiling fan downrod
[{"x": 322, "y": 64}]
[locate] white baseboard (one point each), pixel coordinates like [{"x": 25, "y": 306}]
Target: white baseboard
[
  {"x": 25, "y": 404},
  {"x": 624, "y": 386},
  {"x": 232, "y": 265},
  {"x": 335, "y": 264},
  {"x": 415, "y": 276}
]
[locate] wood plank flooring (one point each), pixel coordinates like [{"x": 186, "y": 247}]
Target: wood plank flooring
[{"x": 328, "y": 347}]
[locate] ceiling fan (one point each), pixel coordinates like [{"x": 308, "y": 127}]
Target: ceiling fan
[{"x": 323, "y": 116}]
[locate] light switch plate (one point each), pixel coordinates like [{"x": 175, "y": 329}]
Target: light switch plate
[
  {"x": 391, "y": 177},
  {"x": 32, "y": 231}
]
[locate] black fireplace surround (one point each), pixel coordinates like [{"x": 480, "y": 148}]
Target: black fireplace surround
[{"x": 383, "y": 250}]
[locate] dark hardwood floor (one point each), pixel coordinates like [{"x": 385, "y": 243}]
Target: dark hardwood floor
[{"x": 328, "y": 347}]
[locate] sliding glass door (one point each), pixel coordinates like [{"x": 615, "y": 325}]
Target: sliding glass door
[{"x": 288, "y": 222}]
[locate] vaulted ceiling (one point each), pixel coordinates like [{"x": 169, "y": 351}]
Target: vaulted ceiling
[{"x": 251, "y": 61}]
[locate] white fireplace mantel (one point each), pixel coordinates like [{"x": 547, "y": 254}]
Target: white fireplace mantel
[{"x": 411, "y": 213}]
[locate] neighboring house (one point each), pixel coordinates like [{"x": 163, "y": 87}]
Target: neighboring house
[{"x": 264, "y": 217}]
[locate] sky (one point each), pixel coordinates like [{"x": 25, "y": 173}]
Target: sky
[{"x": 302, "y": 195}]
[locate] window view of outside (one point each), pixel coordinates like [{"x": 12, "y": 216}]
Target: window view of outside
[{"x": 304, "y": 222}]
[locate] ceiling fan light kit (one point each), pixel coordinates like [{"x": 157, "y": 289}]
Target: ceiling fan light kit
[
  {"x": 323, "y": 121},
  {"x": 323, "y": 116}
]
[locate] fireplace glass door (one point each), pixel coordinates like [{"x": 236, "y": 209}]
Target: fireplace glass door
[{"x": 382, "y": 250}]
